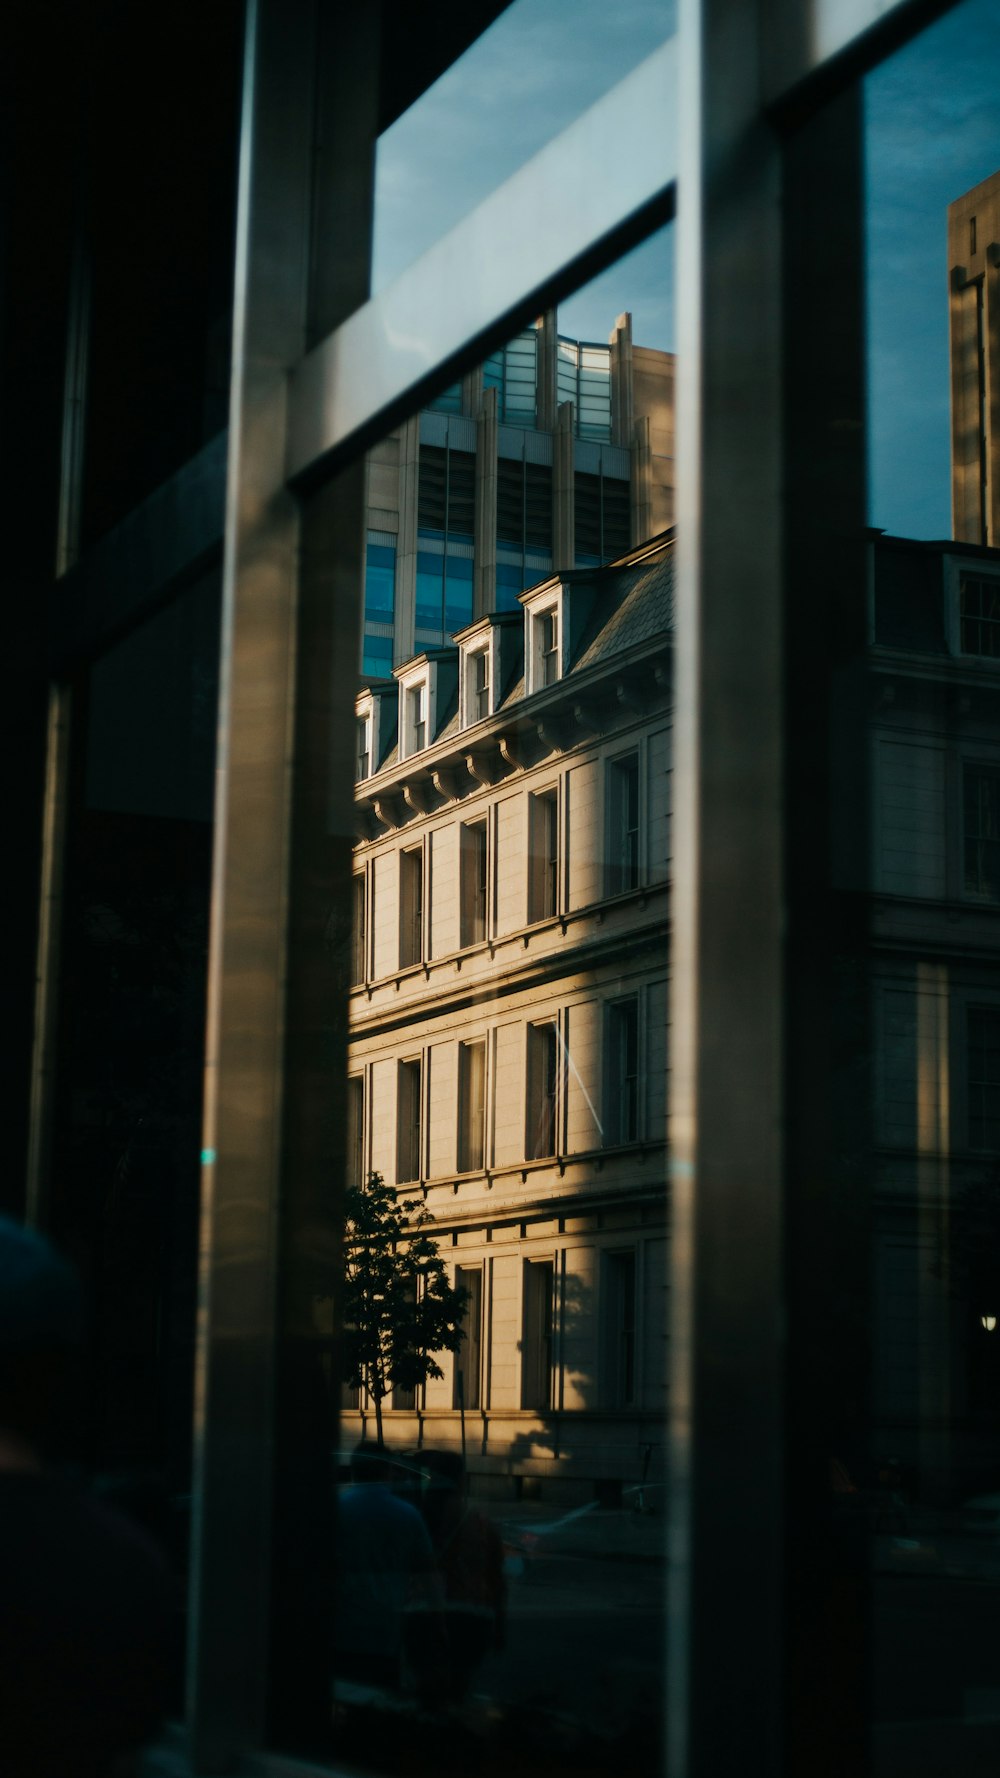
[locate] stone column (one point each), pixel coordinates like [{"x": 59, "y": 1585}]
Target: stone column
[
  {"x": 563, "y": 514},
  {"x": 404, "y": 620},
  {"x": 546, "y": 398},
  {"x": 472, "y": 391},
  {"x": 640, "y": 482},
  {"x": 622, "y": 403},
  {"x": 484, "y": 593}
]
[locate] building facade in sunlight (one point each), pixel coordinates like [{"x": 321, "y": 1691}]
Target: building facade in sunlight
[
  {"x": 974, "y": 338},
  {"x": 508, "y": 1016},
  {"x": 554, "y": 454}
]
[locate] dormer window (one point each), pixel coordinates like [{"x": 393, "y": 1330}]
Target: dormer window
[
  {"x": 545, "y": 612},
  {"x": 479, "y": 685},
  {"x": 416, "y": 717},
  {"x": 547, "y": 645},
  {"x": 979, "y": 615}
]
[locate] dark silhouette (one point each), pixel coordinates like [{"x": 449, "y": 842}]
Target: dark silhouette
[
  {"x": 387, "y": 1623},
  {"x": 86, "y": 1602},
  {"x": 469, "y": 1552}
]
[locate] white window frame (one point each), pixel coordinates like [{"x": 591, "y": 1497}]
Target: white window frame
[
  {"x": 539, "y": 867},
  {"x": 548, "y": 604},
  {"x": 465, "y": 1118},
  {"x": 418, "y": 1140},
  {"x": 407, "y": 920}
]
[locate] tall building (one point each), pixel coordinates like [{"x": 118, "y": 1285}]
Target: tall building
[
  {"x": 555, "y": 453},
  {"x": 974, "y": 333},
  {"x": 508, "y": 1017}
]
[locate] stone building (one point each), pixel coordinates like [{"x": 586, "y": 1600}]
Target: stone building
[
  {"x": 508, "y": 1022},
  {"x": 934, "y": 949}
]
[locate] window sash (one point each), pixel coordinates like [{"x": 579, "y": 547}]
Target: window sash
[
  {"x": 468, "y": 1359},
  {"x": 623, "y": 1070},
  {"x": 474, "y": 877},
  {"x": 538, "y": 1328},
  {"x": 623, "y": 824},
  {"x": 409, "y": 1093},
  {"x": 543, "y": 855},
  {"x": 472, "y": 1106},
  {"x": 411, "y": 907},
  {"x": 543, "y": 1091},
  {"x": 359, "y": 930}
]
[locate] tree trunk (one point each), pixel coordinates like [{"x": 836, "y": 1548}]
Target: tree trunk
[{"x": 378, "y": 1422}]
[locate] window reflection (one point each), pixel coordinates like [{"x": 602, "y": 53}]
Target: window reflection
[
  {"x": 507, "y": 1064},
  {"x": 924, "y": 1483}
]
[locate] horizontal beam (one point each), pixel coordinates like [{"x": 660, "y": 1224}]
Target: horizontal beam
[
  {"x": 833, "y": 42},
  {"x": 160, "y": 546},
  {"x": 615, "y": 161}
]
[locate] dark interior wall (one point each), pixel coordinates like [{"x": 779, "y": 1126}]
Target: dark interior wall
[
  {"x": 39, "y": 47},
  {"x": 160, "y": 132}
]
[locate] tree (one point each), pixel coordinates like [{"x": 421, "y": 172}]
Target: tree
[{"x": 399, "y": 1308}]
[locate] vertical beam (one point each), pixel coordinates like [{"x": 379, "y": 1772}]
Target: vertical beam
[
  {"x": 58, "y": 733},
  {"x": 487, "y": 432},
  {"x": 828, "y": 878},
  {"x": 726, "y": 1099},
  {"x": 405, "y": 611},
  {"x": 563, "y": 487},
  {"x": 317, "y": 993},
  {"x": 546, "y": 396},
  {"x": 227, "y": 1654},
  {"x": 622, "y": 402},
  {"x": 50, "y": 910},
  {"x": 641, "y": 481}
]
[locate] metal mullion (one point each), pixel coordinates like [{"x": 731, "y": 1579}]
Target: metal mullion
[
  {"x": 231, "y": 1536},
  {"x": 825, "y": 45},
  {"x": 726, "y": 1090}
]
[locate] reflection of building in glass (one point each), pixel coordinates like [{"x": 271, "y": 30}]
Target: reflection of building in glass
[
  {"x": 935, "y": 740},
  {"x": 509, "y": 1019},
  {"x": 974, "y": 306},
  {"x": 554, "y": 454}
]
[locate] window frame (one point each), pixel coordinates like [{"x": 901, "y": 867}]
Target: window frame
[
  {"x": 471, "y": 1155},
  {"x": 616, "y": 1393},
  {"x": 618, "y": 881},
  {"x": 789, "y": 48},
  {"x": 411, "y": 1135},
  {"x": 617, "y": 1135},
  {"x": 543, "y": 1089},
  {"x": 412, "y": 906},
  {"x": 538, "y": 1334},
  {"x": 474, "y": 911},
  {"x": 980, "y": 768},
  {"x": 544, "y": 854},
  {"x": 471, "y": 1403}
]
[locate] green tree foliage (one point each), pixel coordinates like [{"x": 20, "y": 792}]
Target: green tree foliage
[{"x": 399, "y": 1308}]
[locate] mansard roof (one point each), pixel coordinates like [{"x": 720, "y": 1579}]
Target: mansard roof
[{"x": 629, "y": 625}]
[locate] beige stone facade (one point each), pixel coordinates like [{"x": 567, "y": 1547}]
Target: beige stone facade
[{"x": 508, "y": 1049}]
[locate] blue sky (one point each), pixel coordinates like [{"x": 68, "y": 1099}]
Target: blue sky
[
  {"x": 932, "y": 131},
  {"x": 932, "y": 125},
  {"x": 518, "y": 86}
]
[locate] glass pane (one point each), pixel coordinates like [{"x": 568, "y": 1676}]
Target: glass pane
[
  {"x": 125, "y": 1170},
  {"x": 920, "y": 1479},
  {"x": 503, "y": 1308},
  {"x": 157, "y": 232},
  {"x": 521, "y": 83}
]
